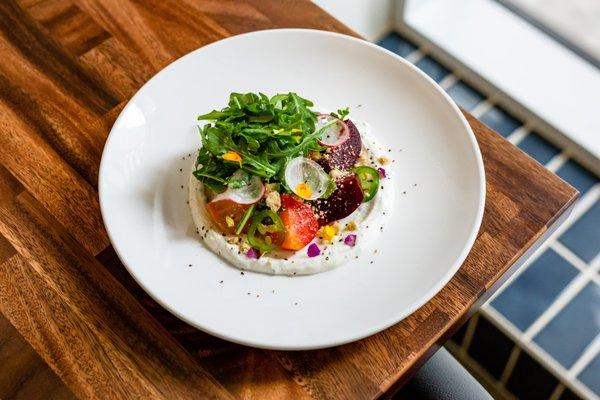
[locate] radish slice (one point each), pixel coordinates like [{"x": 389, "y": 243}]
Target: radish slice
[
  {"x": 306, "y": 178},
  {"x": 335, "y": 134},
  {"x": 243, "y": 189}
]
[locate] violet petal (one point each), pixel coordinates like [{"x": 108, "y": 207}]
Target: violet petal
[
  {"x": 381, "y": 172},
  {"x": 350, "y": 240},
  {"x": 253, "y": 253},
  {"x": 313, "y": 250}
]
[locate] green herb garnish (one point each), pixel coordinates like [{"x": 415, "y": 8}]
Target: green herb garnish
[{"x": 264, "y": 132}]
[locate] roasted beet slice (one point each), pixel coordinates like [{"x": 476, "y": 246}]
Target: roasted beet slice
[
  {"x": 342, "y": 202},
  {"x": 344, "y": 156}
]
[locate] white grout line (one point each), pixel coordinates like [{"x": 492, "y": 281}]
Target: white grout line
[
  {"x": 566, "y": 295},
  {"x": 415, "y": 56},
  {"x": 595, "y": 265},
  {"x": 518, "y": 272},
  {"x": 590, "y": 352},
  {"x": 568, "y": 255},
  {"x": 557, "y": 161},
  {"x": 518, "y": 134},
  {"x": 481, "y": 108},
  {"x": 538, "y": 353},
  {"x": 448, "y": 81},
  {"x": 577, "y": 262},
  {"x": 583, "y": 204}
]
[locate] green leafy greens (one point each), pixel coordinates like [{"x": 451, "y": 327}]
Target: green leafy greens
[{"x": 264, "y": 132}]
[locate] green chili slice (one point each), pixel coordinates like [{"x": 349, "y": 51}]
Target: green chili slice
[
  {"x": 266, "y": 231},
  {"x": 369, "y": 181}
]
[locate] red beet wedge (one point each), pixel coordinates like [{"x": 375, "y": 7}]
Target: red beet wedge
[
  {"x": 344, "y": 156},
  {"x": 342, "y": 202}
]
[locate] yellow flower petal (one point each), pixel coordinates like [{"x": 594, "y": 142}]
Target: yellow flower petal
[
  {"x": 328, "y": 232},
  {"x": 232, "y": 156},
  {"x": 303, "y": 190}
]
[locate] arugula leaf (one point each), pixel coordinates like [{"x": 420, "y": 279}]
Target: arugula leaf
[{"x": 265, "y": 132}]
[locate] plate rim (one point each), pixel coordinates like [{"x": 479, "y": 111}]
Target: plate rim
[{"x": 398, "y": 317}]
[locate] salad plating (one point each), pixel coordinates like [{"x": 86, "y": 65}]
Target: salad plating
[{"x": 278, "y": 175}]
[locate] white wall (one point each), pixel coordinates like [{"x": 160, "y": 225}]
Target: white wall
[{"x": 370, "y": 18}]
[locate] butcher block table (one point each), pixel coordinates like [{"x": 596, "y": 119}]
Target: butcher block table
[{"x": 67, "y": 68}]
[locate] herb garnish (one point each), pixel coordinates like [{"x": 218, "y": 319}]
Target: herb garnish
[{"x": 257, "y": 134}]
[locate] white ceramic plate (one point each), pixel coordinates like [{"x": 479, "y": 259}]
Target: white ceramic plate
[{"x": 438, "y": 175}]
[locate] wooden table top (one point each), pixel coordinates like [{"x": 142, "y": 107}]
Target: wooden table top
[{"x": 67, "y": 68}]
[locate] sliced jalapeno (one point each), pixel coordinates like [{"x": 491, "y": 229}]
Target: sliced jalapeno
[
  {"x": 266, "y": 232},
  {"x": 369, "y": 181}
]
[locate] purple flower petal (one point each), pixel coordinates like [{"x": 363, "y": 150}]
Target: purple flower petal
[
  {"x": 381, "y": 172},
  {"x": 350, "y": 240},
  {"x": 253, "y": 253},
  {"x": 313, "y": 250}
]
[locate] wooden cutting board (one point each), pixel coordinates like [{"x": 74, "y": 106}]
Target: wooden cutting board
[{"x": 67, "y": 68}]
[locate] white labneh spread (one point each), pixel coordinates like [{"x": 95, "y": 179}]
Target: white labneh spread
[{"x": 369, "y": 218}]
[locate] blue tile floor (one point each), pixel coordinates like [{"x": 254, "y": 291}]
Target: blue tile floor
[
  {"x": 572, "y": 330},
  {"x": 577, "y": 176},
  {"x": 538, "y": 148},
  {"x": 500, "y": 121},
  {"x": 464, "y": 95},
  {"x": 583, "y": 237},
  {"x": 432, "y": 68},
  {"x": 565, "y": 317},
  {"x": 591, "y": 375},
  {"x": 535, "y": 289}
]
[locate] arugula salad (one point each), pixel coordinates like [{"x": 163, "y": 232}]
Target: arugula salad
[{"x": 278, "y": 175}]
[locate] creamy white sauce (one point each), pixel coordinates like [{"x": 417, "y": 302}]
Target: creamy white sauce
[{"x": 370, "y": 218}]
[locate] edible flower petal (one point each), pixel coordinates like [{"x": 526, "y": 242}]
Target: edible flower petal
[
  {"x": 232, "y": 156},
  {"x": 328, "y": 232},
  {"x": 313, "y": 250},
  {"x": 351, "y": 226},
  {"x": 381, "y": 172},
  {"x": 253, "y": 253},
  {"x": 350, "y": 240},
  {"x": 303, "y": 190}
]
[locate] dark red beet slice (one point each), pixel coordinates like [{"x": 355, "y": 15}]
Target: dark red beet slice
[
  {"x": 344, "y": 156},
  {"x": 342, "y": 202}
]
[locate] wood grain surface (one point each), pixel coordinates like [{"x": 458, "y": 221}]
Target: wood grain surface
[{"x": 67, "y": 67}]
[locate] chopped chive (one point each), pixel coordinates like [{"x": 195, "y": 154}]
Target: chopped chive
[{"x": 245, "y": 219}]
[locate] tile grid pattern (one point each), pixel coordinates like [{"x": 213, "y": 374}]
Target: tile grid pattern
[{"x": 534, "y": 315}]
